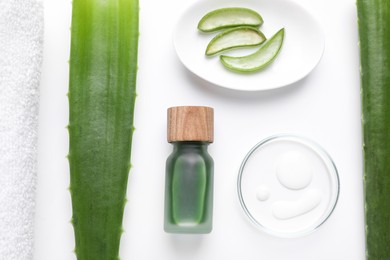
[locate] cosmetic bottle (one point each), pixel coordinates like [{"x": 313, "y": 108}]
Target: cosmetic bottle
[{"x": 189, "y": 171}]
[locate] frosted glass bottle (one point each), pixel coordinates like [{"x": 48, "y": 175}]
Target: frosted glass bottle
[{"x": 189, "y": 171}]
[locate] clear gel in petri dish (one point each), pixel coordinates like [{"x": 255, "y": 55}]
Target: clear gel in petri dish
[{"x": 259, "y": 168}]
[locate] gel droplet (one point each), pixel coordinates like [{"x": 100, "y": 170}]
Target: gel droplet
[
  {"x": 291, "y": 209},
  {"x": 293, "y": 170},
  {"x": 262, "y": 193}
]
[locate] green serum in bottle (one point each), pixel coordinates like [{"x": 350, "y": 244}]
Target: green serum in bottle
[{"x": 189, "y": 171}]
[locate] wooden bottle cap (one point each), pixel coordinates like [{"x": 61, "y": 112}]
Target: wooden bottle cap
[{"x": 190, "y": 123}]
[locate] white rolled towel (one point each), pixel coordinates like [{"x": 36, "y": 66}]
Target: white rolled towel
[{"x": 21, "y": 44}]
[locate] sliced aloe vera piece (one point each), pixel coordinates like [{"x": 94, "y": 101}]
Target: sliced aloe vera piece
[
  {"x": 243, "y": 36},
  {"x": 229, "y": 17},
  {"x": 258, "y": 60}
]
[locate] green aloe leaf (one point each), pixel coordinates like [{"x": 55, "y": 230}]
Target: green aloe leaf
[
  {"x": 103, "y": 67},
  {"x": 374, "y": 34}
]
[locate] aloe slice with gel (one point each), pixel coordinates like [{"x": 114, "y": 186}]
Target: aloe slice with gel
[
  {"x": 229, "y": 17},
  {"x": 244, "y": 36},
  {"x": 258, "y": 60}
]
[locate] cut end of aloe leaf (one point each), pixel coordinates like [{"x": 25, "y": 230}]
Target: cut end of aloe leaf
[
  {"x": 264, "y": 56},
  {"x": 229, "y": 17},
  {"x": 244, "y": 36}
]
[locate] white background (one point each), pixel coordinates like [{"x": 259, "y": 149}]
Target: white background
[{"x": 325, "y": 107}]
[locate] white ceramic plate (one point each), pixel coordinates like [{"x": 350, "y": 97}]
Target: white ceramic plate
[{"x": 301, "y": 51}]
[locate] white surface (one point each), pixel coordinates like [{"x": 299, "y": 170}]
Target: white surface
[
  {"x": 325, "y": 107},
  {"x": 302, "y": 48}
]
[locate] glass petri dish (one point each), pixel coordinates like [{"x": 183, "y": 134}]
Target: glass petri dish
[{"x": 261, "y": 191}]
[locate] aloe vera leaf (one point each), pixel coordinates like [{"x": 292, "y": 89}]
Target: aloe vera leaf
[
  {"x": 103, "y": 67},
  {"x": 243, "y": 36},
  {"x": 260, "y": 59},
  {"x": 374, "y": 31},
  {"x": 229, "y": 17}
]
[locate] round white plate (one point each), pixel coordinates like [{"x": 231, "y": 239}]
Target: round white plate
[{"x": 301, "y": 51}]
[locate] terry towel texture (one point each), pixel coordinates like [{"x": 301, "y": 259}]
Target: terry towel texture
[{"x": 21, "y": 44}]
